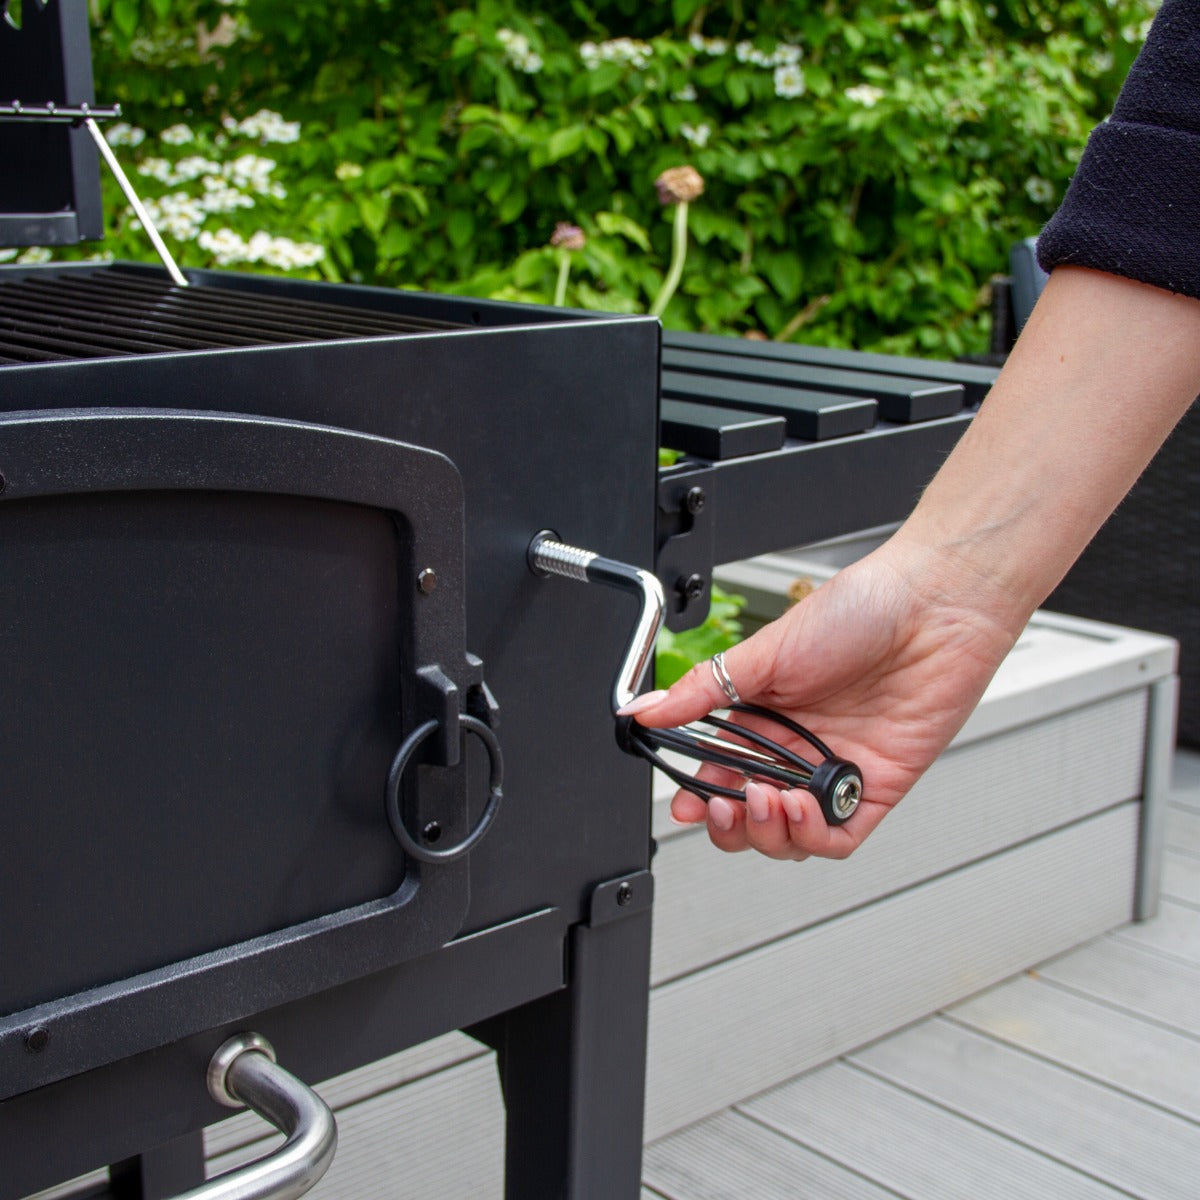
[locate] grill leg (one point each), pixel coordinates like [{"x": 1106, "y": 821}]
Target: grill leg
[
  {"x": 160, "y": 1173},
  {"x": 572, "y": 1068}
]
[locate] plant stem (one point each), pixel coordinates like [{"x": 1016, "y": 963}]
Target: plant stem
[
  {"x": 564, "y": 271},
  {"x": 802, "y": 318},
  {"x": 678, "y": 254}
]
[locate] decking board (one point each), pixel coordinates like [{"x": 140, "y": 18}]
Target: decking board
[
  {"x": 1074, "y": 1120},
  {"x": 916, "y": 1149},
  {"x": 1161, "y": 1066},
  {"x": 730, "y": 1156},
  {"x": 1132, "y": 978}
]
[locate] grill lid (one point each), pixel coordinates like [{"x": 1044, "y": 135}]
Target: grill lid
[{"x": 49, "y": 172}]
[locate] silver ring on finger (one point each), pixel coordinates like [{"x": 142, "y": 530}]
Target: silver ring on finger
[{"x": 721, "y": 675}]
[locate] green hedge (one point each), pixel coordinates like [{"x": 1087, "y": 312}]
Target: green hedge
[{"x": 867, "y": 163}]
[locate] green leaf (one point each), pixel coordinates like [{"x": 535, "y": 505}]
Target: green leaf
[
  {"x": 125, "y": 16},
  {"x": 460, "y": 228},
  {"x": 564, "y": 142},
  {"x": 684, "y": 10},
  {"x": 737, "y": 89},
  {"x": 784, "y": 273},
  {"x": 623, "y": 226}
]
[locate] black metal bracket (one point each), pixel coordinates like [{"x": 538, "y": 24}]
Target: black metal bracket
[
  {"x": 716, "y": 512},
  {"x": 615, "y": 899},
  {"x": 685, "y": 546}
]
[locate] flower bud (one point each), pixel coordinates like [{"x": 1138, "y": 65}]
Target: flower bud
[
  {"x": 679, "y": 185},
  {"x": 568, "y": 237}
]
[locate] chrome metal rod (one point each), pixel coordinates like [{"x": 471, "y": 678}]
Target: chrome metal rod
[
  {"x": 548, "y": 556},
  {"x": 243, "y": 1072},
  {"x": 138, "y": 207},
  {"x": 59, "y": 114}
]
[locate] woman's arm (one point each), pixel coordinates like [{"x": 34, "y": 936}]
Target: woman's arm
[{"x": 888, "y": 659}]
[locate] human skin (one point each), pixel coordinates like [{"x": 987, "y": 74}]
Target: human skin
[{"x": 886, "y": 661}]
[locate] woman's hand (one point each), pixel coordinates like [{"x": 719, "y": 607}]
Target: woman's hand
[{"x": 878, "y": 664}]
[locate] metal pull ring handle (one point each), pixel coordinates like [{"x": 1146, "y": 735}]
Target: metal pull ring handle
[
  {"x": 400, "y": 763},
  {"x": 836, "y": 782},
  {"x": 243, "y": 1073}
]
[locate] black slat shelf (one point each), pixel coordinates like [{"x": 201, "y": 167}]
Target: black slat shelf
[
  {"x": 719, "y": 433},
  {"x": 901, "y": 399},
  {"x": 976, "y": 380},
  {"x": 811, "y": 416}
]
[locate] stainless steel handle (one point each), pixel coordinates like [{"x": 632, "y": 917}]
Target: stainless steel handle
[
  {"x": 243, "y": 1072},
  {"x": 548, "y": 556}
]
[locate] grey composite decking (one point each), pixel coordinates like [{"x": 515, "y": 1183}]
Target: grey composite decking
[{"x": 1080, "y": 1078}]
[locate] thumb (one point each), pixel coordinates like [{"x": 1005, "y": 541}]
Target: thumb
[{"x": 700, "y": 690}]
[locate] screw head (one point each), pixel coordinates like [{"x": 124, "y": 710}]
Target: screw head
[
  {"x": 624, "y": 894},
  {"x": 37, "y": 1039},
  {"x": 695, "y": 500},
  {"x": 432, "y": 832},
  {"x": 846, "y": 795},
  {"x": 692, "y": 588},
  {"x": 427, "y": 581}
]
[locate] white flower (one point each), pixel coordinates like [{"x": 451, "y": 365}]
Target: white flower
[
  {"x": 518, "y": 52},
  {"x": 743, "y": 51},
  {"x": 124, "y": 134},
  {"x": 177, "y": 135},
  {"x": 786, "y": 53},
  {"x": 789, "y": 81},
  {"x": 687, "y": 92},
  {"x": 710, "y": 46},
  {"x": 1039, "y": 190},
  {"x": 250, "y": 171},
  {"x": 7, "y": 255},
  {"x": 623, "y": 51},
  {"x": 176, "y": 214},
  {"x": 865, "y": 94},
  {"x": 229, "y": 248},
  {"x": 34, "y": 255},
  {"x": 219, "y": 197},
  {"x": 266, "y": 126},
  {"x": 192, "y": 167},
  {"x": 156, "y": 168},
  {"x": 226, "y": 247},
  {"x": 347, "y": 170},
  {"x": 698, "y": 135}
]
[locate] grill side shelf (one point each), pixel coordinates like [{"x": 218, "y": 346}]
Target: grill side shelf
[{"x": 715, "y": 512}]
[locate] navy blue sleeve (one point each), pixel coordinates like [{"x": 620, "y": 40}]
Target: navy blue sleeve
[{"x": 1133, "y": 207}]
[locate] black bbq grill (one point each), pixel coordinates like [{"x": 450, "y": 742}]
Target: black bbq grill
[{"x": 272, "y": 651}]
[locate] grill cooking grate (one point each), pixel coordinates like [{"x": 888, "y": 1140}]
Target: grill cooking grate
[{"x": 108, "y": 314}]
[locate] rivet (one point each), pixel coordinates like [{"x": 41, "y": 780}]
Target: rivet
[
  {"x": 37, "y": 1039},
  {"x": 432, "y": 832},
  {"x": 427, "y": 581},
  {"x": 624, "y": 894}
]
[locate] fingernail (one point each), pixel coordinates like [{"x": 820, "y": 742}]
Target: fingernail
[
  {"x": 757, "y": 803},
  {"x": 793, "y": 805},
  {"x": 640, "y": 703},
  {"x": 682, "y": 823},
  {"x": 720, "y": 812}
]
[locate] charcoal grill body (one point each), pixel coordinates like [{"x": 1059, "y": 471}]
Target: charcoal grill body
[{"x": 218, "y": 639}]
